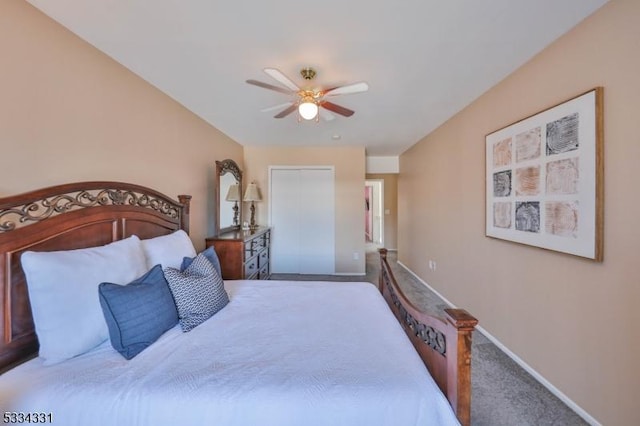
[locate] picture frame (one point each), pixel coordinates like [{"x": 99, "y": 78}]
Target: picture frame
[{"x": 544, "y": 178}]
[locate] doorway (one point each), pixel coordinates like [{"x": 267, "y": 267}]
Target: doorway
[{"x": 374, "y": 219}]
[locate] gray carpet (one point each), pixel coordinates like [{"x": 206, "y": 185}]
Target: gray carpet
[{"x": 502, "y": 392}]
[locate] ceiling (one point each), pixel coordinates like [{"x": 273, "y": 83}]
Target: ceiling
[{"x": 424, "y": 60}]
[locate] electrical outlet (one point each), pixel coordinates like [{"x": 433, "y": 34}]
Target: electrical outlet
[
  {"x": 432, "y": 265},
  {"x": 356, "y": 255}
]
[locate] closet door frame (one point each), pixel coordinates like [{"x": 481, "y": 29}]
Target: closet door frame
[{"x": 331, "y": 202}]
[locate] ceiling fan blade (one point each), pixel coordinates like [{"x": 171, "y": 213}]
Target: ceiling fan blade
[
  {"x": 281, "y": 78},
  {"x": 286, "y": 112},
  {"x": 337, "y": 108},
  {"x": 271, "y": 87},
  {"x": 273, "y": 108},
  {"x": 326, "y": 115},
  {"x": 348, "y": 89}
]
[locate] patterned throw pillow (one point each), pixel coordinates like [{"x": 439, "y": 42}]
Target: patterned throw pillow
[{"x": 198, "y": 292}]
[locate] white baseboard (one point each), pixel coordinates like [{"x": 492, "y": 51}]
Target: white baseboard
[
  {"x": 544, "y": 382},
  {"x": 351, "y": 274}
]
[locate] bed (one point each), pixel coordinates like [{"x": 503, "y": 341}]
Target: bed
[{"x": 280, "y": 353}]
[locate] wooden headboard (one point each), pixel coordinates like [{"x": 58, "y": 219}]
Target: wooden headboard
[{"x": 66, "y": 217}]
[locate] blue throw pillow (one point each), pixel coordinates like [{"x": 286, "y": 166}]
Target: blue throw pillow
[
  {"x": 210, "y": 254},
  {"x": 139, "y": 313},
  {"x": 198, "y": 291}
]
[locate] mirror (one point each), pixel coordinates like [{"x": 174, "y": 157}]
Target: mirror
[{"x": 228, "y": 196}]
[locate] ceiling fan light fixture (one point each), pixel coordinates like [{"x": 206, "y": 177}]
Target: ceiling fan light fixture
[
  {"x": 308, "y": 108},
  {"x": 310, "y": 102}
]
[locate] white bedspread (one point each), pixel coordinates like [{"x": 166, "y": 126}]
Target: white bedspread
[{"x": 281, "y": 353}]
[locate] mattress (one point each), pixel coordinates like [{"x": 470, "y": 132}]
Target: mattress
[{"x": 280, "y": 353}]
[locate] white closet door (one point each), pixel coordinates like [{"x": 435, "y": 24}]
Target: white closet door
[
  {"x": 303, "y": 221},
  {"x": 285, "y": 220},
  {"x": 317, "y": 218}
]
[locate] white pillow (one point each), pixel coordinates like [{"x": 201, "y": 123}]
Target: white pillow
[
  {"x": 168, "y": 250},
  {"x": 63, "y": 291}
]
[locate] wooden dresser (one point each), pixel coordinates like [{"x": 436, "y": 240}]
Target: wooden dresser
[{"x": 244, "y": 255}]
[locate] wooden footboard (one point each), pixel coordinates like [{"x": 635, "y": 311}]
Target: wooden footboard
[{"x": 443, "y": 344}]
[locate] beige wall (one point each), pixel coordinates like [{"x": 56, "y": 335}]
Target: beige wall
[
  {"x": 349, "y": 166},
  {"x": 390, "y": 203},
  {"x": 70, "y": 113},
  {"x": 570, "y": 319}
]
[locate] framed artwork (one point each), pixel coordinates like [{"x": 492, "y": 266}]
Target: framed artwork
[{"x": 544, "y": 178}]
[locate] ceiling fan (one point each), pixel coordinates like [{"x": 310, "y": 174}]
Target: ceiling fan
[{"x": 310, "y": 102}]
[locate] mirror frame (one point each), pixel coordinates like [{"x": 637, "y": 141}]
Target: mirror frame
[{"x": 224, "y": 167}]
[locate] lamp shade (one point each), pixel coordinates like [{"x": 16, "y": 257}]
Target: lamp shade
[
  {"x": 252, "y": 193},
  {"x": 308, "y": 110},
  {"x": 233, "y": 194}
]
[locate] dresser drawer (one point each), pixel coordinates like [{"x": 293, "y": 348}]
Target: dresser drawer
[
  {"x": 264, "y": 273},
  {"x": 263, "y": 258},
  {"x": 251, "y": 267}
]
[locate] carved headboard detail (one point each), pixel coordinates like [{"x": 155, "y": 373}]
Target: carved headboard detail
[{"x": 66, "y": 217}]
